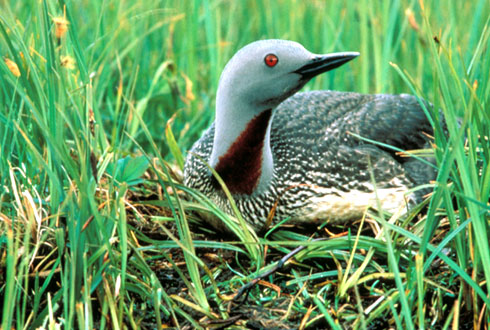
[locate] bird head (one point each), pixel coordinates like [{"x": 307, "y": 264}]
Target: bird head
[{"x": 266, "y": 72}]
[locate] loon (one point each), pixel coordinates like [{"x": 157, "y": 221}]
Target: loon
[{"x": 293, "y": 153}]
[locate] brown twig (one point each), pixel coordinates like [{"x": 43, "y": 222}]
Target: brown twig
[{"x": 247, "y": 287}]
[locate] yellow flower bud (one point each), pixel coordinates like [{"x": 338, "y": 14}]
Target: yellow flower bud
[
  {"x": 12, "y": 67},
  {"x": 67, "y": 62},
  {"x": 61, "y": 26}
]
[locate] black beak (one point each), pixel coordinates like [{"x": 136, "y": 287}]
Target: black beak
[{"x": 323, "y": 63}]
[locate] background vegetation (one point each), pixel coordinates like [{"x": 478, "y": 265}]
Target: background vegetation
[{"x": 99, "y": 100}]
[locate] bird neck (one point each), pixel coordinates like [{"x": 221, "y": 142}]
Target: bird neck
[{"x": 241, "y": 152}]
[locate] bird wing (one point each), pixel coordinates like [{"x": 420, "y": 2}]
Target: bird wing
[{"x": 319, "y": 123}]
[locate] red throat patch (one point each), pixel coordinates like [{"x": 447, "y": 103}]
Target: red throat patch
[{"x": 240, "y": 167}]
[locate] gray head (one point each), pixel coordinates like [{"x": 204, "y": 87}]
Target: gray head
[{"x": 266, "y": 72}]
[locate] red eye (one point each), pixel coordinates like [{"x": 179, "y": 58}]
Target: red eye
[{"x": 271, "y": 60}]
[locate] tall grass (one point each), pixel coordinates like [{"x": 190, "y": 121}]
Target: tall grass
[{"x": 96, "y": 122}]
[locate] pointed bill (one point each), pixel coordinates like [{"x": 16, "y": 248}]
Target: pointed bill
[{"x": 323, "y": 63}]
